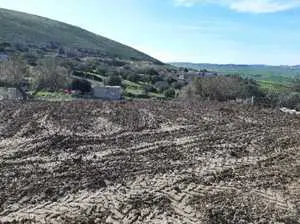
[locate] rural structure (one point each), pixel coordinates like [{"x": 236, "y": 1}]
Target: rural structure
[
  {"x": 107, "y": 92},
  {"x": 10, "y": 93},
  {"x": 3, "y": 57}
]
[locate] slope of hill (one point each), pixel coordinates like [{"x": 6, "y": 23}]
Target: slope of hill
[{"x": 26, "y": 29}]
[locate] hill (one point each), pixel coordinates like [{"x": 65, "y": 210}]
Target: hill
[
  {"x": 44, "y": 44},
  {"x": 35, "y": 31}
]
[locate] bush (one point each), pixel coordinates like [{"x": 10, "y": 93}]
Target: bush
[
  {"x": 289, "y": 100},
  {"x": 296, "y": 85},
  {"x": 155, "y": 78},
  {"x": 178, "y": 84},
  {"x": 134, "y": 77},
  {"x": 162, "y": 86},
  {"x": 82, "y": 85},
  {"x": 170, "y": 79},
  {"x": 152, "y": 72},
  {"x": 114, "y": 80},
  {"x": 149, "y": 88},
  {"x": 170, "y": 93},
  {"x": 223, "y": 88}
]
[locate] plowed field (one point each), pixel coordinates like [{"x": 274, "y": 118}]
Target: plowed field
[{"x": 148, "y": 162}]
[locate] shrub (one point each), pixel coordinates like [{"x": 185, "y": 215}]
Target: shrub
[
  {"x": 134, "y": 77},
  {"x": 224, "y": 88},
  {"x": 162, "y": 86},
  {"x": 149, "y": 88},
  {"x": 178, "y": 84},
  {"x": 114, "y": 80},
  {"x": 170, "y": 79},
  {"x": 296, "y": 85},
  {"x": 152, "y": 72},
  {"x": 170, "y": 93},
  {"x": 155, "y": 78},
  {"x": 82, "y": 85}
]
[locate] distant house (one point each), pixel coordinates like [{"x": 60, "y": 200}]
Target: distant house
[
  {"x": 7, "y": 93},
  {"x": 3, "y": 57},
  {"x": 107, "y": 92}
]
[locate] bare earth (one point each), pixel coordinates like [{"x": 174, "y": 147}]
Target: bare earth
[{"x": 148, "y": 162}]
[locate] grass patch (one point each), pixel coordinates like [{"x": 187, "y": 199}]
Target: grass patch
[
  {"x": 270, "y": 86},
  {"x": 45, "y": 95}
]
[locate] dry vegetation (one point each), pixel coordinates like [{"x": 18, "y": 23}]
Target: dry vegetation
[{"x": 148, "y": 162}]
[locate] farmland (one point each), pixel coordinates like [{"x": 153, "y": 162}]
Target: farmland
[{"x": 148, "y": 162}]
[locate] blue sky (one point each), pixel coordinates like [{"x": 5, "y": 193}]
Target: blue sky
[{"x": 204, "y": 31}]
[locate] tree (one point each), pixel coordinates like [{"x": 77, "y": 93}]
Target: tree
[
  {"x": 148, "y": 88},
  {"x": 12, "y": 73},
  {"x": 178, "y": 84},
  {"x": 170, "y": 93},
  {"x": 156, "y": 78},
  {"x": 296, "y": 85},
  {"x": 162, "y": 86},
  {"x": 151, "y": 71},
  {"x": 50, "y": 75},
  {"x": 82, "y": 85},
  {"x": 224, "y": 88},
  {"x": 133, "y": 77},
  {"x": 114, "y": 80}
]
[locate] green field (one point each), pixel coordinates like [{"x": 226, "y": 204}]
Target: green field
[{"x": 270, "y": 78}]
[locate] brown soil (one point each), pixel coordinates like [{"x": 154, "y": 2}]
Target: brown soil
[{"x": 148, "y": 162}]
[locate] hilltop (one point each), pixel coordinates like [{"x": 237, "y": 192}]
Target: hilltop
[{"x": 26, "y": 30}]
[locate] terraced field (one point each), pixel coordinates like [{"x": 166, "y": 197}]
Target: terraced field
[{"x": 148, "y": 162}]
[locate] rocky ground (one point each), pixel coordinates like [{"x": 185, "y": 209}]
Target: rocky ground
[{"x": 148, "y": 162}]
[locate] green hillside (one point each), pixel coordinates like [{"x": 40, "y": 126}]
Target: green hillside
[{"x": 31, "y": 30}]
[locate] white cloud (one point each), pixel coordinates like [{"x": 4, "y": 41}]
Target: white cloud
[{"x": 247, "y": 6}]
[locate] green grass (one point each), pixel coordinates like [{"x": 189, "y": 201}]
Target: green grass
[
  {"x": 134, "y": 91},
  {"x": 17, "y": 27},
  {"x": 132, "y": 85},
  {"x": 59, "y": 96},
  {"x": 156, "y": 95},
  {"x": 274, "y": 87}
]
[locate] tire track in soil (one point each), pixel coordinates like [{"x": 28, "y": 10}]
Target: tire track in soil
[{"x": 183, "y": 169}]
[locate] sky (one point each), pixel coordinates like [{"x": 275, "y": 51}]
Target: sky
[{"x": 199, "y": 31}]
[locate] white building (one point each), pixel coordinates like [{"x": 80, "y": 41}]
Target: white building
[
  {"x": 10, "y": 94},
  {"x": 107, "y": 92},
  {"x": 3, "y": 57}
]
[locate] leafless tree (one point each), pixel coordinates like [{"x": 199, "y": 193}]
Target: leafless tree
[
  {"x": 50, "y": 75},
  {"x": 13, "y": 71}
]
